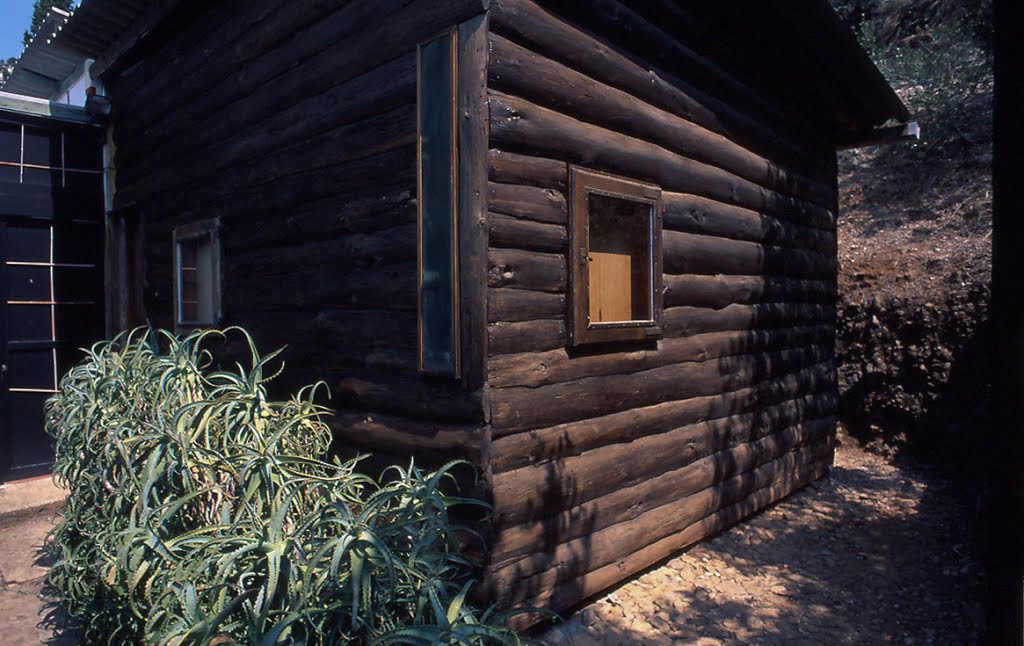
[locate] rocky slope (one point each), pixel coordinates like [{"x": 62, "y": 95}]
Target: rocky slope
[{"x": 915, "y": 268}]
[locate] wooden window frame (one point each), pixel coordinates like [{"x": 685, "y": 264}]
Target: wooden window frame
[
  {"x": 193, "y": 231},
  {"x": 582, "y": 183}
]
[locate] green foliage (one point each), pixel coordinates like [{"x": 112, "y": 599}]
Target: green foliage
[
  {"x": 945, "y": 78},
  {"x": 200, "y": 512},
  {"x": 40, "y": 10}
]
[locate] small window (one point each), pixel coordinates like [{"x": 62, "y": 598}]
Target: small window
[
  {"x": 197, "y": 275},
  {"x": 616, "y": 259},
  {"x": 437, "y": 214}
]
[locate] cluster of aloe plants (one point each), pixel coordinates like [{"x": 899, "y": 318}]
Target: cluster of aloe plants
[{"x": 201, "y": 512}]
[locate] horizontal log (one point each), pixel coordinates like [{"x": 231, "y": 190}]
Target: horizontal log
[
  {"x": 538, "y": 491},
  {"x": 505, "y": 337},
  {"x": 571, "y": 592},
  {"x": 246, "y": 34},
  {"x": 512, "y": 168},
  {"x": 522, "y": 305},
  {"x": 625, "y": 504},
  {"x": 368, "y": 209},
  {"x": 575, "y": 438},
  {"x": 409, "y": 396},
  {"x": 365, "y": 138},
  {"x": 528, "y": 203},
  {"x": 381, "y": 248},
  {"x": 690, "y": 253},
  {"x": 538, "y": 336},
  {"x": 379, "y": 91},
  {"x": 526, "y": 127},
  {"x": 509, "y": 232},
  {"x": 353, "y": 40},
  {"x": 578, "y": 556},
  {"x": 527, "y": 23},
  {"x": 275, "y": 198},
  {"x": 378, "y": 432},
  {"x": 722, "y": 291},
  {"x": 526, "y": 270},
  {"x": 695, "y": 214},
  {"x": 534, "y": 369},
  {"x": 360, "y": 328},
  {"x": 391, "y": 287},
  {"x": 685, "y": 321},
  {"x": 519, "y": 409},
  {"x": 517, "y": 70}
]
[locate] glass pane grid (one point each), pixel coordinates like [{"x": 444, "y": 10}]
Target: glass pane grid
[{"x": 24, "y": 313}]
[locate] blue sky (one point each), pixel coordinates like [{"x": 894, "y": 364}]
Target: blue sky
[{"x": 15, "y": 16}]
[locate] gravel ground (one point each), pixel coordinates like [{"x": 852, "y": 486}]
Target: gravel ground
[{"x": 871, "y": 554}]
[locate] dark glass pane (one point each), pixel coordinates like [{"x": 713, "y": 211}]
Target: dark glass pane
[
  {"x": 84, "y": 194},
  {"x": 79, "y": 325},
  {"x": 30, "y": 445},
  {"x": 10, "y": 142},
  {"x": 29, "y": 323},
  {"x": 9, "y": 175},
  {"x": 28, "y": 244},
  {"x": 619, "y": 263},
  {"x": 28, "y": 283},
  {"x": 41, "y": 178},
  {"x": 77, "y": 285},
  {"x": 437, "y": 252},
  {"x": 30, "y": 369},
  {"x": 69, "y": 356},
  {"x": 83, "y": 151},
  {"x": 78, "y": 243},
  {"x": 42, "y": 147}
]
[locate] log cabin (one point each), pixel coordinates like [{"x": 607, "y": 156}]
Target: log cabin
[{"x": 588, "y": 247}]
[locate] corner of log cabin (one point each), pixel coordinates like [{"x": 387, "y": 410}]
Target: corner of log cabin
[
  {"x": 300, "y": 134},
  {"x": 607, "y": 460}
]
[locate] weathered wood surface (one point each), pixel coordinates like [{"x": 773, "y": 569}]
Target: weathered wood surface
[
  {"x": 380, "y": 432},
  {"x": 516, "y": 70},
  {"x": 528, "y": 203},
  {"x": 627, "y": 503},
  {"x": 721, "y": 291},
  {"x": 542, "y": 31},
  {"x": 512, "y": 168},
  {"x": 472, "y": 133},
  {"x": 695, "y": 214},
  {"x": 510, "y": 232},
  {"x": 519, "y": 409},
  {"x": 534, "y": 369},
  {"x": 690, "y": 253},
  {"x": 574, "y": 438},
  {"x": 355, "y": 39},
  {"x": 521, "y": 125},
  {"x": 635, "y": 557},
  {"x": 578, "y": 556},
  {"x": 523, "y": 305},
  {"x": 517, "y": 269}
]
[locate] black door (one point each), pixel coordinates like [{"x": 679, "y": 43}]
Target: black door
[{"x": 51, "y": 275}]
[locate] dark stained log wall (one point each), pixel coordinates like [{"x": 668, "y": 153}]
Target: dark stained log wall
[
  {"x": 295, "y": 123},
  {"x": 606, "y": 460}
]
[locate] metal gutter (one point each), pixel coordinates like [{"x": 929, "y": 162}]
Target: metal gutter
[{"x": 32, "y": 106}]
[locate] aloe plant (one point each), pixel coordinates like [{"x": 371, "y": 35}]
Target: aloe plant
[{"x": 201, "y": 512}]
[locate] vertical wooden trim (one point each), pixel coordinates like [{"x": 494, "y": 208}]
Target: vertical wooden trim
[
  {"x": 5, "y": 415},
  {"x": 473, "y": 122}
]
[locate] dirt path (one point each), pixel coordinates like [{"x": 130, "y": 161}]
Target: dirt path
[{"x": 871, "y": 554}]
